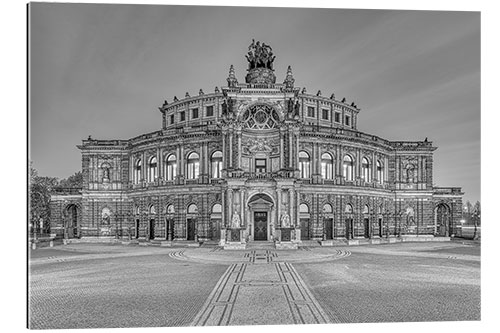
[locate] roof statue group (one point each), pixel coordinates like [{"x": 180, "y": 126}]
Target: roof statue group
[{"x": 260, "y": 55}]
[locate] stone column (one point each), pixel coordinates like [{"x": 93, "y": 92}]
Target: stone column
[
  {"x": 290, "y": 148},
  {"x": 278, "y": 202},
  {"x": 206, "y": 161},
  {"x": 281, "y": 150},
  {"x": 231, "y": 149},
  {"x": 224, "y": 152},
  {"x": 230, "y": 205},
  {"x": 242, "y": 208},
  {"x": 223, "y": 215},
  {"x": 159, "y": 163},
  {"x": 374, "y": 167},
  {"x": 144, "y": 166},
  {"x": 338, "y": 161},
  {"x": 296, "y": 153},
  {"x": 357, "y": 167},
  {"x": 131, "y": 169},
  {"x": 239, "y": 148},
  {"x": 181, "y": 169}
]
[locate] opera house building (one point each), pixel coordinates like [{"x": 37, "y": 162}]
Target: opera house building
[{"x": 258, "y": 160}]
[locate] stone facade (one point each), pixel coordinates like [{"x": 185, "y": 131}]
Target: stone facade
[{"x": 257, "y": 161}]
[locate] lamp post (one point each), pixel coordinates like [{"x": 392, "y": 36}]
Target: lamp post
[{"x": 399, "y": 217}]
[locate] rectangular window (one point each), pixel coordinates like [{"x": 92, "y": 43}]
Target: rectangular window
[
  {"x": 310, "y": 111},
  {"x": 195, "y": 113},
  {"x": 210, "y": 111},
  {"x": 260, "y": 165},
  {"x": 337, "y": 117},
  {"x": 172, "y": 119},
  {"x": 325, "y": 114},
  {"x": 183, "y": 116},
  {"x": 347, "y": 120}
]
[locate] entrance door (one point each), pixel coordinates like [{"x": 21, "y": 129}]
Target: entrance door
[
  {"x": 151, "y": 229},
  {"x": 349, "y": 228},
  {"x": 366, "y": 225},
  {"x": 190, "y": 229},
  {"x": 215, "y": 229},
  {"x": 260, "y": 226},
  {"x": 170, "y": 229},
  {"x": 380, "y": 227},
  {"x": 329, "y": 228},
  {"x": 137, "y": 228},
  {"x": 304, "y": 229}
]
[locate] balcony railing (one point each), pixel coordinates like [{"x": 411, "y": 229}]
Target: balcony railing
[{"x": 447, "y": 190}]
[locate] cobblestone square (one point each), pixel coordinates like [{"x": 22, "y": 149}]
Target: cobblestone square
[{"x": 97, "y": 285}]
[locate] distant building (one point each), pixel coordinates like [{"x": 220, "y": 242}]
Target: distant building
[{"x": 257, "y": 161}]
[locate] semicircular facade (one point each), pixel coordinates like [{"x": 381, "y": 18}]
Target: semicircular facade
[{"x": 257, "y": 161}]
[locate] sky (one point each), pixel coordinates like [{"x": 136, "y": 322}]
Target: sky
[{"x": 103, "y": 70}]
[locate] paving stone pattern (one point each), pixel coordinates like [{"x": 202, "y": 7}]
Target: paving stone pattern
[
  {"x": 260, "y": 292},
  {"x": 92, "y": 285},
  {"x": 126, "y": 291}
]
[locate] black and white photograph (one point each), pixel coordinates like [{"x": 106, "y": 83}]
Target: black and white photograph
[{"x": 209, "y": 166}]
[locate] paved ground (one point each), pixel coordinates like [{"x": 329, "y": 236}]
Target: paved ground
[{"x": 96, "y": 285}]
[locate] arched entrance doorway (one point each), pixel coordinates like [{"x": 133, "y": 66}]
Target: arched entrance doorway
[
  {"x": 349, "y": 222},
  {"x": 328, "y": 221},
  {"x": 215, "y": 221},
  {"x": 169, "y": 222},
  {"x": 191, "y": 216},
  {"x": 71, "y": 225},
  {"x": 260, "y": 207},
  {"x": 304, "y": 218},
  {"x": 366, "y": 221},
  {"x": 442, "y": 220}
]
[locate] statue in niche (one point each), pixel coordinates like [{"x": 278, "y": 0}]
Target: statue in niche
[
  {"x": 236, "y": 221},
  {"x": 285, "y": 220},
  {"x": 105, "y": 176},
  {"x": 105, "y": 220},
  {"x": 297, "y": 109},
  {"x": 290, "y": 106},
  {"x": 410, "y": 173},
  {"x": 227, "y": 107}
]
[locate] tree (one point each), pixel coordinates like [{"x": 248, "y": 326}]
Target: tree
[
  {"x": 74, "y": 181},
  {"x": 467, "y": 212},
  {"x": 476, "y": 218},
  {"x": 40, "y": 189}
]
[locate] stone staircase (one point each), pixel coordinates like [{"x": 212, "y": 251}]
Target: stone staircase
[{"x": 260, "y": 246}]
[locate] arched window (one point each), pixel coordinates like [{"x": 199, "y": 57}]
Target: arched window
[
  {"x": 217, "y": 164},
  {"x": 304, "y": 163},
  {"x": 327, "y": 208},
  {"x": 137, "y": 210},
  {"x": 171, "y": 167},
  {"x": 327, "y": 166},
  {"x": 192, "y": 209},
  {"x": 304, "y": 209},
  {"x": 217, "y": 209},
  {"x": 366, "y": 210},
  {"x": 365, "y": 170},
  {"x": 380, "y": 172},
  {"x": 170, "y": 209},
  {"x": 152, "y": 210},
  {"x": 348, "y": 166},
  {"x": 348, "y": 209},
  {"x": 152, "y": 169},
  {"x": 137, "y": 171},
  {"x": 193, "y": 166}
]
